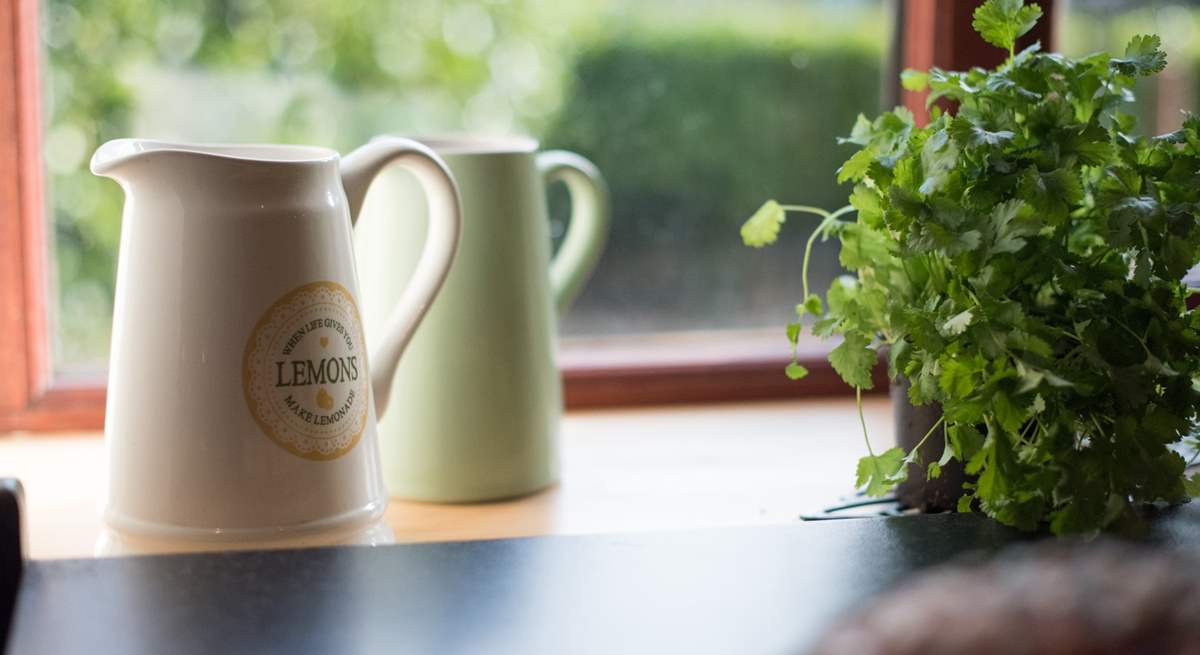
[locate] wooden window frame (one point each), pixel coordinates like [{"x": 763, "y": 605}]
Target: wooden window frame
[
  {"x": 930, "y": 32},
  {"x": 939, "y": 33},
  {"x": 30, "y": 397}
]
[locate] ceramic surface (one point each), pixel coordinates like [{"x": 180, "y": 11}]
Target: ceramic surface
[
  {"x": 114, "y": 543},
  {"x": 479, "y": 394},
  {"x": 239, "y": 394}
]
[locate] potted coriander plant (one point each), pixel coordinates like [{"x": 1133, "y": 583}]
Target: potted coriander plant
[{"x": 1018, "y": 259}]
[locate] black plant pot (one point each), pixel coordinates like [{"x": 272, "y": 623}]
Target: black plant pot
[{"x": 912, "y": 423}]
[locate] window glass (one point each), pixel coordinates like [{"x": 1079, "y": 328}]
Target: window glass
[
  {"x": 1095, "y": 25},
  {"x": 696, "y": 111}
]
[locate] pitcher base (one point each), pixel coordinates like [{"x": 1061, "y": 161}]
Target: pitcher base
[{"x": 341, "y": 524}]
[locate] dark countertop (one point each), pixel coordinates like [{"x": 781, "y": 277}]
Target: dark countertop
[{"x": 744, "y": 590}]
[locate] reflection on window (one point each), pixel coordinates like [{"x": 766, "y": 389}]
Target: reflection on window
[{"x": 696, "y": 111}]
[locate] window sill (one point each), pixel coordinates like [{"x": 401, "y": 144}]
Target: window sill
[
  {"x": 701, "y": 367},
  {"x": 679, "y": 368},
  {"x": 622, "y": 471}
]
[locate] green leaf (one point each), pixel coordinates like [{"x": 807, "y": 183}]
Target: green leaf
[
  {"x": 842, "y": 293},
  {"x": 868, "y": 204},
  {"x": 1054, "y": 195},
  {"x": 964, "y": 503},
  {"x": 923, "y": 373},
  {"x": 793, "y": 332},
  {"x": 880, "y": 473},
  {"x": 762, "y": 228},
  {"x": 1009, "y": 414},
  {"x": 947, "y": 454},
  {"x": 913, "y": 80},
  {"x": 857, "y": 166},
  {"x": 939, "y": 157},
  {"x": 1191, "y": 485},
  {"x": 812, "y": 305},
  {"x": 1164, "y": 426},
  {"x": 853, "y": 360},
  {"x": 1021, "y": 340},
  {"x": 933, "y": 471},
  {"x": 1003, "y": 213},
  {"x": 957, "y": 324},
  {"x": 958, "y": 379},
  {"x": 825, "y": 327},
  {"x": 1002, "y": 22},
  {"x": 1009, "y": 236},
  {"x": 795, "y": 371},
  {"x": 1092, "y": 145},
  {"x": 861, "y": 133},
  {"x": 1129, "y": 216},
  {"x": 992, "y": 485},
  {"x": 863, "y": 246},
  {"x": 950, "y": 241},
  {"x": 1143, "y": 56},
  {"x": 968, "y": 135}
]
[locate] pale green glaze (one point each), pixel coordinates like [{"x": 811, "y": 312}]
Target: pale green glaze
[{"x": 477, "y": 398}]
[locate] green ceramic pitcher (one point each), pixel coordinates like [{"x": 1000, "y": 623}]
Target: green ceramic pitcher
[{"x": 477, "y": 398}]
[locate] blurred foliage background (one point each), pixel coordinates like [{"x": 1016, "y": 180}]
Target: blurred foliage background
[{"x": 696, "y": 111}]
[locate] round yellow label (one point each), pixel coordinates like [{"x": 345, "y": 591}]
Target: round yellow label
[{"x": 304, "y": 372}]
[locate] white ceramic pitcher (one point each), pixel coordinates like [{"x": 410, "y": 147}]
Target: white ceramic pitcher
[{"x": 239, "y": 401}]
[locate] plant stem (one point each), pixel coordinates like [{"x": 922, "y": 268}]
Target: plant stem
[
  {"x": 1139, "y": 339},
  {"x": 806, "y": 209},
  {"x": 1025, "y": 432},
  {"x": 920, "y": 443},
  {"x": 808, "y": 246},
  {"x": 843, "y": 210},
  {"x": 862, "y": 419},
  {"x": 827, "y": 218}
]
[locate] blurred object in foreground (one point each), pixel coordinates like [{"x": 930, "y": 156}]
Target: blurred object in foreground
[{"x": 1097, "y": 599}]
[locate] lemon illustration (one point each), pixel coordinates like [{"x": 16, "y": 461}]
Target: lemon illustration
[{"x": 324, "y": 400}]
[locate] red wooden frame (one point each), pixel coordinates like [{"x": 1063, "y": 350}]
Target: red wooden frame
[
  {"x": 934, "y": 32},
  {"x": 689, "y": 368},
  {"x": 939, "y": 33},
  {"x": 28, "y": 399}
]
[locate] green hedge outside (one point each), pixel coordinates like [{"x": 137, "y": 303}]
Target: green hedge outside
[{"x": 693, "y": 134}]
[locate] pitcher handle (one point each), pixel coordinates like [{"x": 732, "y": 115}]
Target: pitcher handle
[
  {"x": 359, "y": 168},
  {"x": 588, "y": 228}
]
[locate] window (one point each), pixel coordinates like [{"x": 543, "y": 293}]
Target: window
[
  {"x": 696, "y": 112},
  {"x": 1094, "y": 25}
]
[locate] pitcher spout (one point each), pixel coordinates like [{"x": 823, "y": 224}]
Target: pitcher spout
[
  {"x": 110, "y": 157},
  {"x": 113, "y": 159},
  {"x": 270, "y": 177}
]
